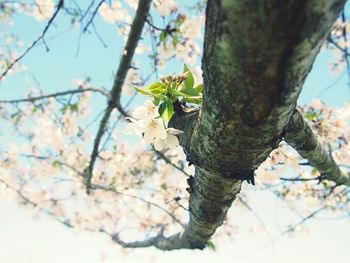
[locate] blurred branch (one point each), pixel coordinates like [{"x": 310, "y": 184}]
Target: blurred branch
[
  {"x": 57, "y": 94},
  {"x": 343, "y": 18},
  {"x": 159, "y": 241},
  {"x": 115, "y": 94},
  {"x": 109, "y": 189},
  {"x": 168, "y": 161},
  {"x": 302, "y": 221},
  {"x": 247, "y": 206},
  {"x": 91, "y": 19},
  {"x": 93, "y": 187},
  {"x": 29, "y": 201},
  {"x": 297, "y": 179}
]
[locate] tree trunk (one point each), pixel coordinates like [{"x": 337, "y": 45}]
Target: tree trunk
[{"x": 257, "y": 55}]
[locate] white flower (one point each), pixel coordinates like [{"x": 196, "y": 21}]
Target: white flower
[
  {"x": 165, "y": 7},
  {"x": 134, "y": 127},
  {"x": 132, "y": 3},
  {"x": 132, "y": 79},
  {"x": 43, "y": 9},
  {"x": 316, "y": 104},
  {"x": 185, "y": 52},
  {"x": 146, "y": 111},
  {"x": 165, "y": 51},
  {"x": 159, "y": 144},
  {"x": 151, "y": 126},
  {"x": 114, "y": 13},
  {"x": 171, "y": 141},
  {"x": 190, "y": 28},
  {"x": 153, "y": 130}
]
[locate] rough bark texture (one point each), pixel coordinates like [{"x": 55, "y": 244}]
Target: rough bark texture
[
  {"x": 300, "y": 136},
  {"x": 257, "y": 55}
]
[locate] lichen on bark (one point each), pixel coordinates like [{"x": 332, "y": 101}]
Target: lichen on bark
[{"x": 257, "y": 55}]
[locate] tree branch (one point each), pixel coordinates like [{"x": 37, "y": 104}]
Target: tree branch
[
  {"x": 57, "y": 94},
  {"x": 91, "y": 19},
  {"x": 252, "y": 78},
  {"x": 300, "y": 136},
  {"x": 41, "y": 37},
  {"x": 109, "y": 189},
  {"x": 257, "y": 55},
  {"x": 176, "y": 241},
  {"x": 46, "y": 211},
  {"x": 211, "y": 197},
  {"x": 115, "y": 94}
]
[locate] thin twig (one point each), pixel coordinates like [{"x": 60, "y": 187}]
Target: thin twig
[
  {"x": 115, "y": 93},
  {"x": 29, "y": 201},
  {"x": 247, "y": 206},
  {"x": 41, "y": 37},
  {"x": 168, "y": 161},
  {"x": 98, "y": 187},
  {"x": 92, "y": 16},
  {"x": 297, "y": 179},
  {"x": 57, "y": 94},
  {"x": 346, "y": 56}
]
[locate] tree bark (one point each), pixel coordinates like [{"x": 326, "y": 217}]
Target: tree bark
[
  {"x": 300, "y": 136},
  {"x": 257, "y": 55}
]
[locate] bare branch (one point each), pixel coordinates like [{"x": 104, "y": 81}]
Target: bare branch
[
  {"x": 168, "y": 161},
  {"x": 99, "y": 187},
  {"x": 57, "y": 94},
  {"x": 345, "y": 51},
  {"x": 262, "y": 224},
  {"x": 176, "y": 241},
  {"x": 293, "y": 227},
  {"x": 92, "y": 16},
  {"x": 41, "y": 37},
  {"x": 41, "y": 209},
  {"x": 299, "y": 135},
  {"x": 297, "y": 179},
  {"x": 346, "y": 57},
  {"x": 114, "y": 100}
]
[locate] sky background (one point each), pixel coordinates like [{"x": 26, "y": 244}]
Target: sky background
[{"x": 25, "y": 237}]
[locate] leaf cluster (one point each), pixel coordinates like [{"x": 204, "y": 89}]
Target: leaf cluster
[{"x": 171, "y": 88}]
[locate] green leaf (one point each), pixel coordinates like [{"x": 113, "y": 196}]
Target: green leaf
[
  {"x": 189, "y": 82},
  {"x": 162, "y": 36},
  {"x": 64, "y": 109},
  {"x": 199, "y": 89},
  {"x": 74, "y": 107},
  {"x": 56, "y": 163},
  {"x": 211, "y": 245},
  {"x": 156, "y": 101},
  {"x": 187, "y": 86},
  {"x": 193, "y": 99},
  {"x": 156, "y": 88},
  {"x": 175, "y": 41},
  {"x": 161, "y": 108},
  {"x": 114, "y": 181},
  {"x": 143, "y": 92},
  {"x": 166, "y": 110}
]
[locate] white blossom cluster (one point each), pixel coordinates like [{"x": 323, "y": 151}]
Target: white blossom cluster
[
  {"x": 147, "y": 123},
  {"x": 114, "y": 13}
]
